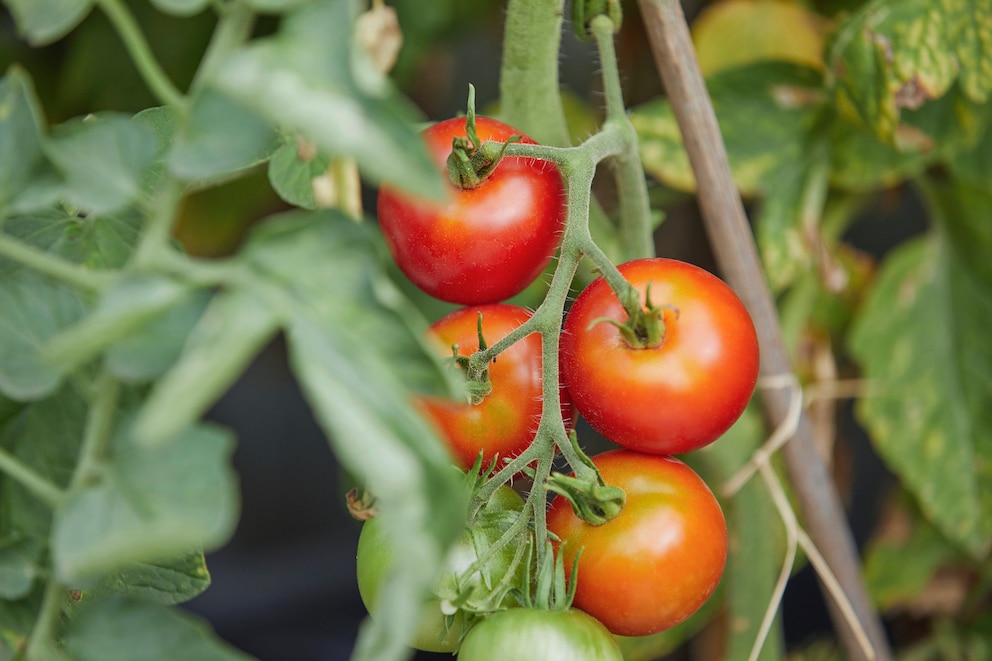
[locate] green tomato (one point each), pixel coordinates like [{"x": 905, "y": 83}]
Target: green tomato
[
  {"x": 441, "y": 626},
  {"x": 522, "y": 633}
]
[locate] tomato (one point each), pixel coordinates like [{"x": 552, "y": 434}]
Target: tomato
[
  {"x": 505, "y": 421},
  {"x": 541, "y": 635},
  {"x": 434, "y": 633},
  {"x": 660, "y": 559},
  {"x": 483, "y": 244},
  {"x": 674, "y": 397}
]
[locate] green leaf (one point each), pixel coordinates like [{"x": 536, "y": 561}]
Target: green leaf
[
  {"x": 112, "y": 629},
  {"x": 212, "y": 359},
  {"x": 166, "y": 582},
  {"x": 220, "y": 138},
  {"x": 970, "y": 31},
  {"x": 17, "y": 620},
  {"x": 756, "y": 540},
  {"x": 102, "y": 158},
  {"x": 274, "y": 5},
  {"x": 44, "y": 21},
  {"x": 292, "y": 177},
  {"x": 357, "y": 349},
  {"x": 100, "y": 242},
  {"x": 19, "y": 565},
  {"x": 161, "y": 120},
  {"x": 150, "y": 504},
  {"x": 45, "y": 437},
  {"x": 119, "y": 312},
  {"x": 765, "y": 112},
  {"x": 21, "y": 127},
  {"x": 303, "y": 81},
  {"x": 157, "y": 344},
  {"x": 181, "y": 7},
  {"x": 32, "y": 310},
  {"x": 922, "y": 337}
]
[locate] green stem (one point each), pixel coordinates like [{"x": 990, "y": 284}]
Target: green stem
[
  {"x": 530, "y": 97},
  {"x": 55, "y": 267},
  {"x": 134, "y": 40},
  {"x": 99, "y": 425},
  {"x": 32, "y": 481},
  {"x": 636, "y": 236},
  {"x": 43, "y": 634},
  {"x": 237, "y": 20},
  {"x": 158, "y": 230}
]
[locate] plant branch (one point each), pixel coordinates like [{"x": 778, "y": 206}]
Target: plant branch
[
  {"x": 99, "y": 425},
  {"x": 134, "y": 40},
  {"x": 52, "y": 266},
  {"x": 43, "y": 634},
  {"x": 737, "y": 256},
  {"x": 234, "y": 27},
  {"x": 29, "y": 479}
]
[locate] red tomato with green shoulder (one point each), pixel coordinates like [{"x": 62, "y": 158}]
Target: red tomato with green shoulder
[
  {"x": 541, "y": 635},
  {"x": 659, "y": 560},
  {"x": 679, "y": 395},
  {"x": 483, "y": 244},
  {"x": 505, "y": 422}
]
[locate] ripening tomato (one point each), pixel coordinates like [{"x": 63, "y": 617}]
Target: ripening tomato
[
  {"x": 436, "y": 632},
  {"x": 541, "y": 635},
  {"x": 679, "y": 395},
  {"x": 484, "y": 244},
  {"x": 660, "y": 559},
  {"x": 505, "y": 421}
]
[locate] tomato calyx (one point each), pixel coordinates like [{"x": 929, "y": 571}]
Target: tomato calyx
[
  {"x": 584, "y": 11},
  {"x": 361, "y": 504},
  {"x": 645, "y": 324},
  {"x": 477, "y": 381},
  {"x": 591, "y": 500},
  {"x": 470, "y": 163}
]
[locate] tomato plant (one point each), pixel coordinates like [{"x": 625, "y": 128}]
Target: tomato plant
[
  {"x": 660, "y": 559},
  {"x": 485, "y": 243},
  {"x": 675, "y": 396},
  {"x": 549, "y": 635},
  {"x": 504, "y": 421},
  {"x": 459, "y": 592}
]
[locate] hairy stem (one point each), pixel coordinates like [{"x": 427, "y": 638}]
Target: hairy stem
[
  {"x": 55, "y": 267},
  {"x": 737, "y": 256}
]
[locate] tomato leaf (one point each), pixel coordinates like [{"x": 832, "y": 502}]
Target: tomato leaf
[
  {"x": 18, "y": 564},
  {"x": 292, "y": 177},
  {"x": 220, "y": 138},
  {"x": 921, "y": 335},
  {"x": 302, "y": 80},
  {"x": 44, "y": 21},
  {"x": 32, "y": 310},
  {"x": 765, "y": 112},
  {"x": 212, "y": 359},
  {"x": 181, "y": 7},
  {"x": 120, "y": 311},
  {"x": 169, "y": 582},
  {"x": 21, "y": 126},
  {"x": 150, "y": 504},
  {"x": 102, "y": 158},
  {"x": 111, "y": 629}
]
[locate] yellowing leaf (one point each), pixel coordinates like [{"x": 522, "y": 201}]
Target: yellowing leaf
[{"x": 732, "y": 33}]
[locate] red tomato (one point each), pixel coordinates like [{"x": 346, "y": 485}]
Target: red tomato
[
  {"x": 675, "y": 397},
  {"x": 660, "y": 559},
  {"x": 484, "y": 244},
  {"x": 506, "y": 420}
]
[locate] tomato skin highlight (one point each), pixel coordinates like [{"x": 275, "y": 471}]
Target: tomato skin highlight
[
  {"x": 541, "y": 635},
  {"x": 506, "y": 420},
  {"x": 656, "y": 563},
  {"x": 673, "y": 398},
  {"x": 484, "y": 244}
]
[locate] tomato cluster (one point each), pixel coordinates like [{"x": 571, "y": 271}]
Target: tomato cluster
[{"x": 661, "y": 369}]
